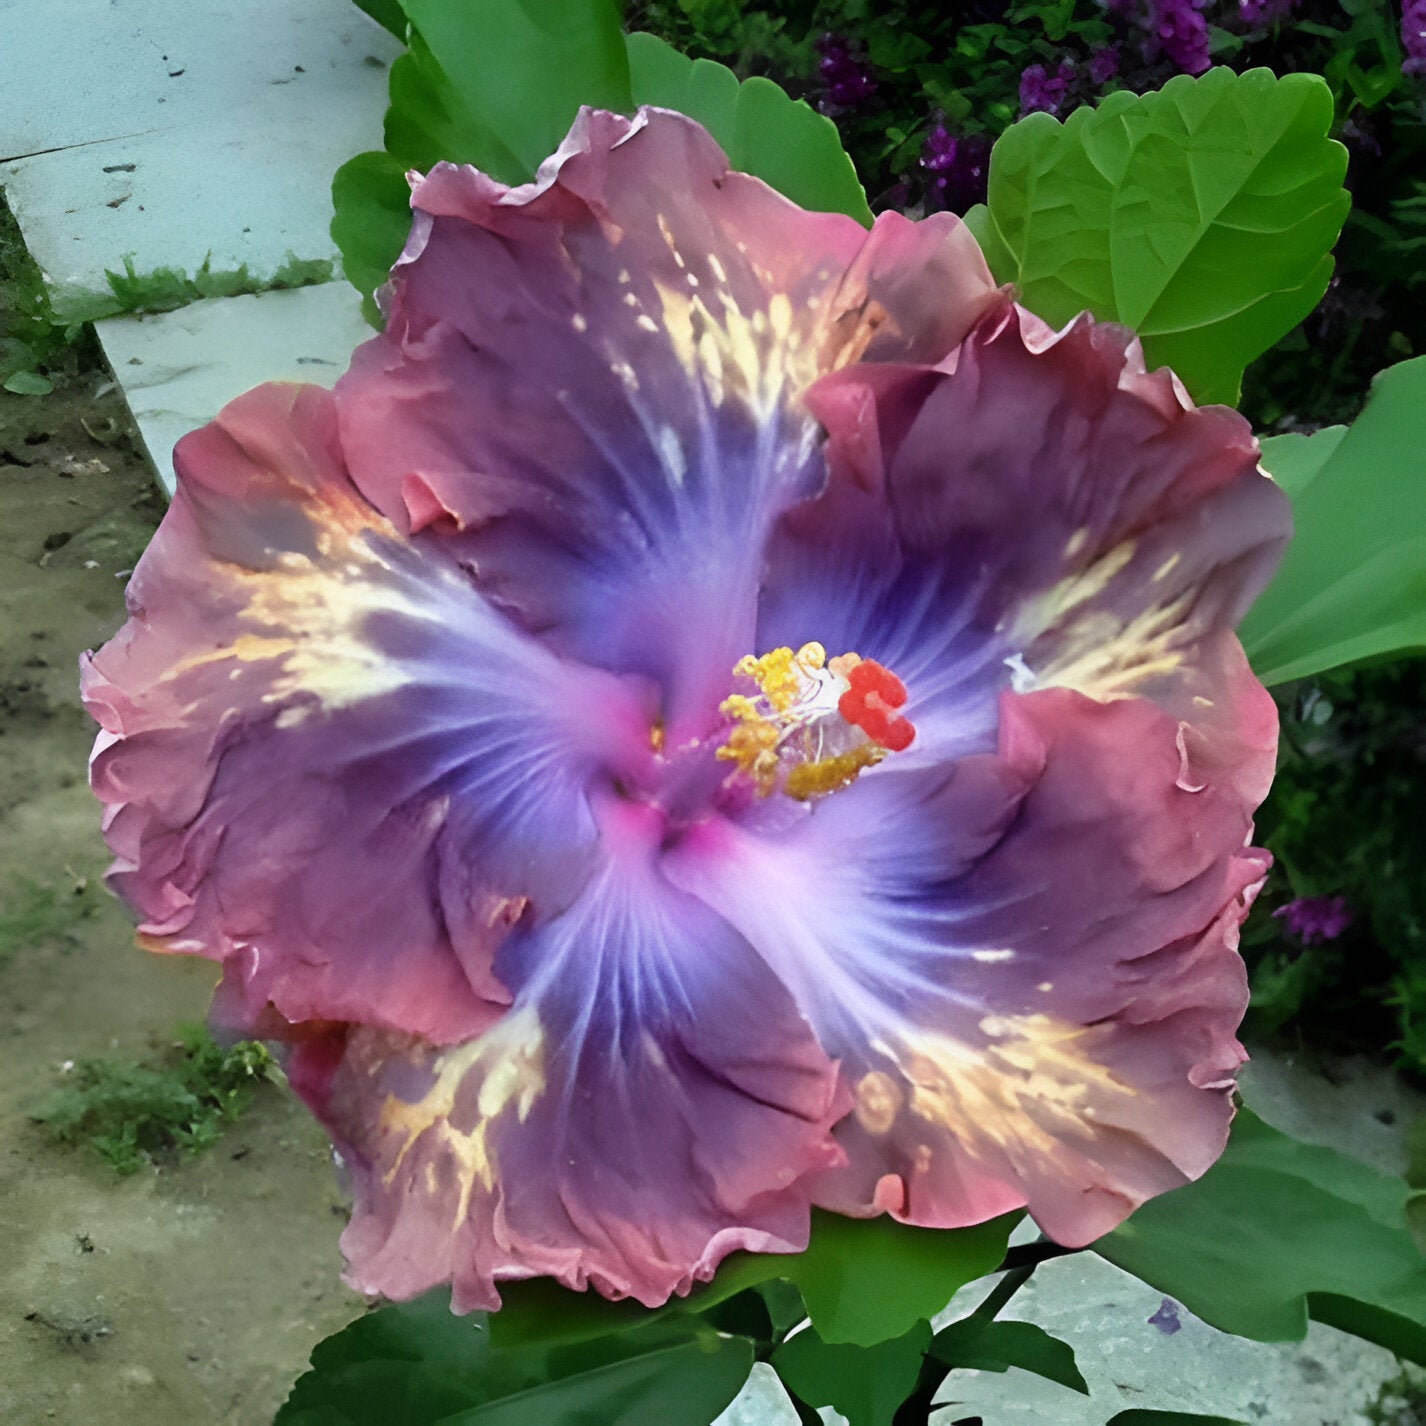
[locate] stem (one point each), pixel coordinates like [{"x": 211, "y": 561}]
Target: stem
[
  {"x": 1018, "y": 1267},
  {"x": 1032, "y": 1254},
  {"x": 1003, "y": 1291}
]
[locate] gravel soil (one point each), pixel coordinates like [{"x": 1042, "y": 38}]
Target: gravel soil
[{"x": 188, "y": 1294}]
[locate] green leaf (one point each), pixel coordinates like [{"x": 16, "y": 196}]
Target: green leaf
[
  {"x": 1353, "y": 583},
  {"x": 1202, "y": 215},
  {"x": 372, "y": 216},
  {"x": 497, "y": 84},
  {"x": 418, "y": 1365},
  {"x": 1139, "y": 1417},
  {"x": 1279, "y": 1230},
  {"x": 28, "y": 383},
  {"x": 864, "y": 1280},
  {"x": 992, "y": 1346},
  {"x": 763, "y": 131},
  {"x": 683, "y": 1385},
  {"x": 1295, "y": 459},
  {"x": 866, "y": 1384},
  {"x": 515, "y": 73},
  {"x": 387, "y": 13}
]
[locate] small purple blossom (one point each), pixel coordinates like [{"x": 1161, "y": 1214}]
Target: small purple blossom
[
  {"x": 1166, "y": 1318},
  {"x": 1264, "y": 12},
  {"x": 959, "y": 164},
  {"x": 849, "y": 79},
  {"x": 1104, "y": 65},
  {"x": 1182, "y": 33},
  {"x": 1314, "y": 919},
  {"x": 1413, "y": 36},
  {"x": 1042, "y": 92}
]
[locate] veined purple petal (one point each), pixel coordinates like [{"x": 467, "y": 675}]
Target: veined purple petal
[
  {"x": 651, "y": 1102},
  {"x": 327, "y": 759},
  {"x": 1034, "y": 511},
  {"x": 592, "y": 384},
  {"x": 1024, "y": 965}
]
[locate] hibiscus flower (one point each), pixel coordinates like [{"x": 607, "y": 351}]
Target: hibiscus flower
[{"x": 720, "y": 712}]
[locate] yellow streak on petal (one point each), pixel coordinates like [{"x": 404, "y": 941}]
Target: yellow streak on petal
[
  {"x": 1041, "y": 612},
  {"x": 310, "y": 613},
  {"x": 511, "y": 1056},
  {"x": 1028, "y": 1090},
  {"x": 764, "y": 356},
  {"x": 879, "y": 1100},
  {"x": 1097, "y": 652}
]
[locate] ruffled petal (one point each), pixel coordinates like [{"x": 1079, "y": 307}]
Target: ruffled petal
[
  {"x": 1024, "y": 964},
  {"x": 591, "y": 384},
  {"x": 328, "y": 761},
  {"x": 652, "y": 1101},
  {"x": 1033, "y": 511}
]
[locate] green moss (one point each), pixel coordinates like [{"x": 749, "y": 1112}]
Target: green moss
[{"x": 135, "y": 1113}]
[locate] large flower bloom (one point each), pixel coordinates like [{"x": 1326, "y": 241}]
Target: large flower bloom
[{"x": 720, "y": 712}]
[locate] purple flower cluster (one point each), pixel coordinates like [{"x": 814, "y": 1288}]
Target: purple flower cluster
[
  {"x": 848, "y": 78},
  {"x": 1413, "y": 36},
  {"x": 1104, "y": 65},
  {"x": 1314, "y": 919},
  {"x": 1182, "y": 33},
  {"x": 958, "y": 165},
  {"x": 1042, "y": 92}
]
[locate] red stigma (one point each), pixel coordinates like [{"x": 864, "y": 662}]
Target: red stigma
[{"x": 871, "y": 703}]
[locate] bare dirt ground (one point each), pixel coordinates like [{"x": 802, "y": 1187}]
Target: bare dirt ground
[{"x": 189, "y": 1294}]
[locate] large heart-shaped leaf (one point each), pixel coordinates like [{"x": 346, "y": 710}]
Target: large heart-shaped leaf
[
  {"x": 866, "y": 1384},
  {"x": 370, "y": 221},
  {"x": 1353, "y": 583},
  {"x": 497, "y": 84},
  {"x": 864, "y": 1281},
  {"x": 988, "y": 1345},
  {"x": 1278, "y": 1231},
  {"x": 763, "y": 131},
  {"x": 1202, "y": 215},
  {"x": 417, "y": 1365},
  {"x": 518, "y": 70}
]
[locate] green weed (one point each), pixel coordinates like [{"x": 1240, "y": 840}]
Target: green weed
[
  {"x": 165, "y": 289},
  {"x": 35, "y": 343},
  {"x": 1401, "y": 1402},
  {"x": 135, "y": 1114}
]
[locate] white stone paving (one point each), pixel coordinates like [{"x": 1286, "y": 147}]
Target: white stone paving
[
  {"x": 180, "y": 368},
  {"x": 169, "y": 130}
]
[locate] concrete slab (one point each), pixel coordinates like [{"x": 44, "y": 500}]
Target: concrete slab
[
  {"x": 177, "y": 370},
  {"x": 171, "y": 131}
]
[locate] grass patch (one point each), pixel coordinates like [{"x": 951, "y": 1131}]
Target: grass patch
[
  {"x": 41, "y": 341},
  {"x": 33, "y": 914},
  {"x": 135, "y": 1114},
  {"x": 35, "y": 343},
  {"x": 166, "y": 289}
]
